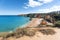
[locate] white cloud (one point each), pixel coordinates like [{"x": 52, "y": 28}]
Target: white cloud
[
  {"x": 33, "y": 3},
  {"x": 46, "y": 1},
  {"x": 53, "y": 8},
  {"x": 25, "y": 7}
]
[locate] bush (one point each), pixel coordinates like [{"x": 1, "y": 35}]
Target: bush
[
  {"x": 29, "y": 32},
  {"x": 47, "y": 31}
]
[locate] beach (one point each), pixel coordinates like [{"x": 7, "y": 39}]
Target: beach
[{"x": 30, "y": 32}]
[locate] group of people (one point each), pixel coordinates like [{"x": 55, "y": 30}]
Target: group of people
[{"x": 41, "y": 21}]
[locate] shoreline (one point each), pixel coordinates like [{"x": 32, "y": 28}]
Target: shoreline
[{"x": 23, "y": 26}]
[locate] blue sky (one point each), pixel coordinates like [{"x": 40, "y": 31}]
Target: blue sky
[{"x": 15, "y": 7}]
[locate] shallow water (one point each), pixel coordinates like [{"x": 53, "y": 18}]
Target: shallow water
[{"x": 9, "y": 23}]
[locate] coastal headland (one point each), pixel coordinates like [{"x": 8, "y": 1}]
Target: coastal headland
[{"x": 39, "y": 28}]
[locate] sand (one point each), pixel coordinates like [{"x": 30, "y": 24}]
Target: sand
[{"x": 40, "y": 36}]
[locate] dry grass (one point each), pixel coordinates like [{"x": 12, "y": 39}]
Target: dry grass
[
  {"x": 27, "y": 32},
  {"x": 47, "y": 31}
]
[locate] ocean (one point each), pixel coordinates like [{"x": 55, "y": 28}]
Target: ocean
[{"x": 9, "y": 23}]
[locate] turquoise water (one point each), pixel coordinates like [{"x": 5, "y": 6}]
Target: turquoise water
[{"x": 9, "y": 23}]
